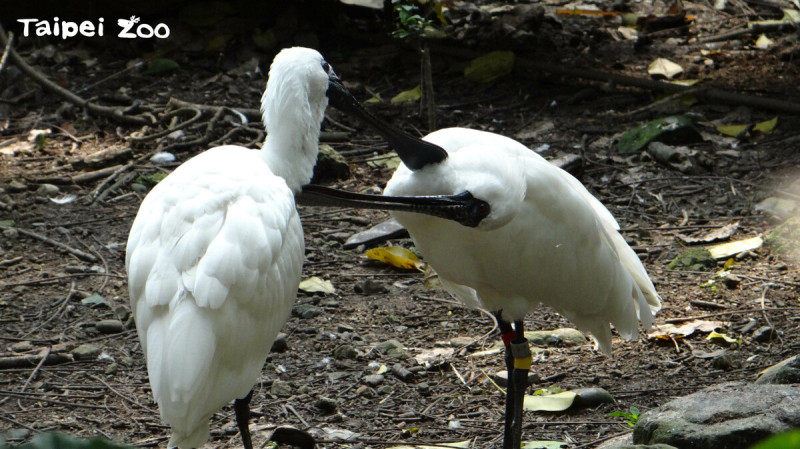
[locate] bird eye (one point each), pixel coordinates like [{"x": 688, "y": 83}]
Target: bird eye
[{"x": 326, "y": 67}]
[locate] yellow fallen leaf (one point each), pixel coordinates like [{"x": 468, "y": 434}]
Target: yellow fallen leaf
[
  {"x": 315, "y": 284},
  {"x": 550, "y": 403},
  {"x": 375, "y": 99},
  {"x": 454, "y": 445},
  {"x": 763, "y": 42},
  {"x": 396, "y": 256},
  {"x": 766, "y": 126},
  {"x": 407, "y": 96},
  {"x": 722, "y": 339},
  {"x": 731, "y": 130},
  {"x": 664, "y": 67},
  {"x": 725, "y": 250}
]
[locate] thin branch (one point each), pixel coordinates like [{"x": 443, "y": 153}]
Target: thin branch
[
  {"x": 6, "y": 51},
  {"x": 76, "y": 252}
]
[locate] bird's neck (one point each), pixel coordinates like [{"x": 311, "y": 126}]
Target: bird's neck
[
  {"x": 292, "y": 157},
  {"x": 292, "y": 146}
]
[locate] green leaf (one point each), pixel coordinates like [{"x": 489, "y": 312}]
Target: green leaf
[
  {"x": 788, "y": 440},
  {"x": 489, "y": 67},
  {"x": 407, "y": 96},
  {"x": 160, "y": 66},
  {"x": 673, "y": 130},
  {"x": 94, "y": 300}
]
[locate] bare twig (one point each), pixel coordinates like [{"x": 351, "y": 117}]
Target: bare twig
[
  {"x": 6, "y": 51},
  {"x": 754, "y": 28},
  {"x": 26, "y": 361},
  {"x": 108, "y": 180},
  {"x": 48, "y": 240}
]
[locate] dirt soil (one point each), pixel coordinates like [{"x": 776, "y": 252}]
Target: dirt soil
[{"x": 56, "y": 288}]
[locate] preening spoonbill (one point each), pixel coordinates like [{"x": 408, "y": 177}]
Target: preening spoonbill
[
  {"x": 545, "y": 240},
  {"x": 215, "y": 252}
]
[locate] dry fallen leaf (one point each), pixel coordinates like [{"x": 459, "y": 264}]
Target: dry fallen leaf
[
  {"x": 315, "y": 284},
  {"x": 722, "y": 233},
  {"x": 549, "y": 403},
  {"x": 684, "y": 330},
  {"x": 434, "y": 357},
  {"x": 662, "y": 67},
  {"x": 725, "y": 250}
]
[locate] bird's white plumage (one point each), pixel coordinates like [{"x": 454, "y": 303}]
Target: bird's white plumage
[
  {"x": 547, "y": 239},
  {"x": 215, "y": 253}
]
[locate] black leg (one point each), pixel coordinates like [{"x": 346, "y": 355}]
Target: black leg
[
  {"x": 521, "y": 353},
  {"x": 242, "y": 409},
  {"x": 507, "y": 334}
]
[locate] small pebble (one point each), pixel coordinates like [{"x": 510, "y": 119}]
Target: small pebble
[
  {"x": 326, "y": 405},
  {"x": 764, "y": 334},
  {"x": 112, "y": 369},
  {"x": 109, "y": 326},
  {"x": 365, "y": 391},
  {"x": 86, "y": 352},
  {"x": 731, "y": 281},
  {"x": 280, "y": 344},
  {"x": 423, "y": 388},
  {"x": 306, "y": 311},
  {"x": 22, "y": 346},
  {"x": 47, "y": 190},
  {"x": 373, "y": 380},
  {"x": 281, "y": 389},
  {"x": 345, "y": 351}
]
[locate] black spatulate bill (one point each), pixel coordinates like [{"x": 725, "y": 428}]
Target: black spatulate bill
[{"x": 415, "y": 153}]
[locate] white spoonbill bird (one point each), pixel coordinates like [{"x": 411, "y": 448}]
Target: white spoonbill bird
[
  {"x": 215, "y": 252},
  {"x": 545, "y": 240}
]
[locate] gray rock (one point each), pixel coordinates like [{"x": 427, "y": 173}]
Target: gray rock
[
  {"x": 764, "y": 334},
  {"x": 281, "y": 389},
  {"x": 280, "y": 344},
  {"x": 326, "y": 405},
  {"x": 391, "y": 348},
  {"x": 47, "y": 190},
  {"x": 330, "y": 165},
  {"x": 590, "y": 397},
  {"x": 557, "y": 337},
  {"x": 86, "y": 352},
  {"x": 306, "y": 311},
  {"x": 731, "y": 416},
  {"x": 22, "y": 346},
  {"x": 345, "y": 351},
  {"x": 16, "y": 186},
  {"x": 370, "y": 287},
  {"x": 785, "y": 372},
  {"x": 373, "y": 380},
  {"x": 109, "y": 326}
]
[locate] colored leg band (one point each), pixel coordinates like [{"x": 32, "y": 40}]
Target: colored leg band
[
  {"x": 523, "y": 363},
  {"x": 507, "y": 337},
  {"x": 522, "y": 355}
]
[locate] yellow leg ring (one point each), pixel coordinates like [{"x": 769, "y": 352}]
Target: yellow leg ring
[{"x": 523, "y": 363}]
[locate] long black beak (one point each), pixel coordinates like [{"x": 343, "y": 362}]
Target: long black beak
[
  {"x": 462, "y": 208},
  {"x": 415, "y": 153}
]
